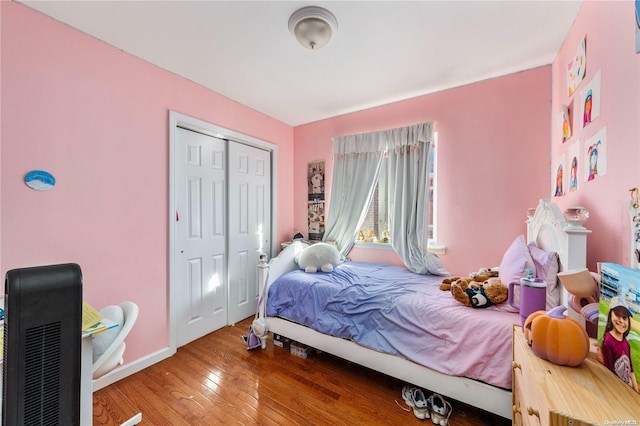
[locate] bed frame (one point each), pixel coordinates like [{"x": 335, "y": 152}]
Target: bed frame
[{"x": 546, "y": 227}]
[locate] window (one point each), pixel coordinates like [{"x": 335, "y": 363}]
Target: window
[{"x": 376, "y": 224}]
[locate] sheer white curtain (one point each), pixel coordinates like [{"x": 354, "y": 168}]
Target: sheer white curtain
[
  {"x": 356, "y": 164},
  {"x": 409, "y": 218}
]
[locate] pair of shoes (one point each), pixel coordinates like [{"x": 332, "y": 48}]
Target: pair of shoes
[
  {"x": 440, "y": 410},
  {"x": 414, "y": 398}
]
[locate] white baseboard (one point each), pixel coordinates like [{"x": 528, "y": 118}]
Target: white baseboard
[{"x": 129, "y": 369}]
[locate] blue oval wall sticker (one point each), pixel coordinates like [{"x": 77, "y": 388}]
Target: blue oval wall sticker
[{"x": 40, "y": 180}]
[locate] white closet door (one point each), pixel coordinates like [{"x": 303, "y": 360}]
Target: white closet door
[
  {"x": 249, "y": 225},
  {"x": 200, "y": 262}
]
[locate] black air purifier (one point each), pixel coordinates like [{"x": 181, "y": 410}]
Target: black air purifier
[{"x": 42, "y": 346}]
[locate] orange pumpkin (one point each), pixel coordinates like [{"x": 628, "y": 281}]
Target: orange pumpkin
[{"x": 557, "y": 338}]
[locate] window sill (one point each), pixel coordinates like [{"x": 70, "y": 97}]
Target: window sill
[
  {"x": 433, "y": 248},
  {"x": 383, "y": 246},
  {"x": 437, "y": 249}
]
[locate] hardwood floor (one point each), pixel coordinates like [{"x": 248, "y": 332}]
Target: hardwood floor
[{"x": 215, "y": 380}]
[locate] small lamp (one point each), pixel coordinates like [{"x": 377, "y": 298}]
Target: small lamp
[
  {"x": 576, "y": 216},
  {"x": 313, "y": 26}
]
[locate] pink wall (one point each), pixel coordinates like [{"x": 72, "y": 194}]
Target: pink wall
[
  {"x": 98, "y": 120},
  {"x": 493, "y": 161},
  {"x": 609, "y": 28}
]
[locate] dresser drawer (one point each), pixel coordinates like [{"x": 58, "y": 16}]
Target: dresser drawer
[{"x": 529, "y": 383}]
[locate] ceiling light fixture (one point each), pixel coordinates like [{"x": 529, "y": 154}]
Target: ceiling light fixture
[{"x": 313, "y": 26}]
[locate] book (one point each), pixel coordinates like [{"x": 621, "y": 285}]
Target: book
[
  {"x": 90, "y": 316},
  {"x": 93, "y": 322},
  {"x": 620, "y": 293}
]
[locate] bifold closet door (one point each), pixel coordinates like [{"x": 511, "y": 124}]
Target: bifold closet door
[
  {"x": 200, "y": 242},
  {"x": 249, "y": 225}
]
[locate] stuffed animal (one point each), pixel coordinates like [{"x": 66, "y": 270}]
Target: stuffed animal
[
  {"x": 459, "y": 289},
  {"x": 484, "y": 274},
  {"x": 319, "y": 256},
  {"x": 446, "y": 283},
  {"x": 479, "y": 295},
  {"x": 481, "y": 276}
]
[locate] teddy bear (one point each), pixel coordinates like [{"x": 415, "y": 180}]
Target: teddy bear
[
  {"x": 479, "y": 295},
  {"x": 446, "y": 283},
  {"x": 481, "y": 276},
  {"x": 318, "y": 257},
  {"x": 484, "y": 274}
]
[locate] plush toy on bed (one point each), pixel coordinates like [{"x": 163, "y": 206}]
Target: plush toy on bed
[
  {"x": 484, "y": 274},
  {"x": 318, "y": 257},
  {"x": 477, "y": 294},
  {"x": 479, "y": 277}
]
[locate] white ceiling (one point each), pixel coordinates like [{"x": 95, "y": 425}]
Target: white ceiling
[{"x": 383, "y": 51}]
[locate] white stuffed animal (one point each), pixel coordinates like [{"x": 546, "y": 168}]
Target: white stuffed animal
[{"x": 319, "y": 256}]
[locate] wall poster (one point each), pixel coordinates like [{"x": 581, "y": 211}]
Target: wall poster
[
  {"x": 574, "y": 165},
  {"x": 637, "y": 9},
  {"x": 559, "y": 181},
  {"x": 576, "y": 67},
  {"x": 315, "y": 201},
  {"x": 595, "y": 156},
  {"x": 590, "y": 101},
  {"x": 564, "y": 124}
]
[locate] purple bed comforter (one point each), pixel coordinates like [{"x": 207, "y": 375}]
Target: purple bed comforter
[{"x": 392, "y": 310}]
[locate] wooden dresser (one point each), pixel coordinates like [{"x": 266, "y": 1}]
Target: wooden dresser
[{"x": 548, "y": 394}]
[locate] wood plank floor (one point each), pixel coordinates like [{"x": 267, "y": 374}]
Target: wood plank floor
[{"x": 215, "y": 380}]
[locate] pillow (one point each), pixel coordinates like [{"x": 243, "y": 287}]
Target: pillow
[
  {"x": 546, "y": 267},
  {"x": 515, "y": 261},
  {"x": 102, "y": 341}
]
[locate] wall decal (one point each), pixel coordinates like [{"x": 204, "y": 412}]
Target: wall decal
[
  {"x": 576, "y": 67},
  {"x": 39, "y": 180}
]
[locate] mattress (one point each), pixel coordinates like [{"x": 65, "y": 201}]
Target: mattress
[{"x": 390, "y": 309}]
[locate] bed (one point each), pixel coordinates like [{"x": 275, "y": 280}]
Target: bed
[{"x": 453, "y": 355}]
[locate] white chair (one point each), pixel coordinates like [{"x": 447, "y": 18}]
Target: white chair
[{"x": 112, "y": 356}]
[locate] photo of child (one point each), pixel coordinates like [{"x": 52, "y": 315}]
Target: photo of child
[{"x": 615, "y": 350}]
